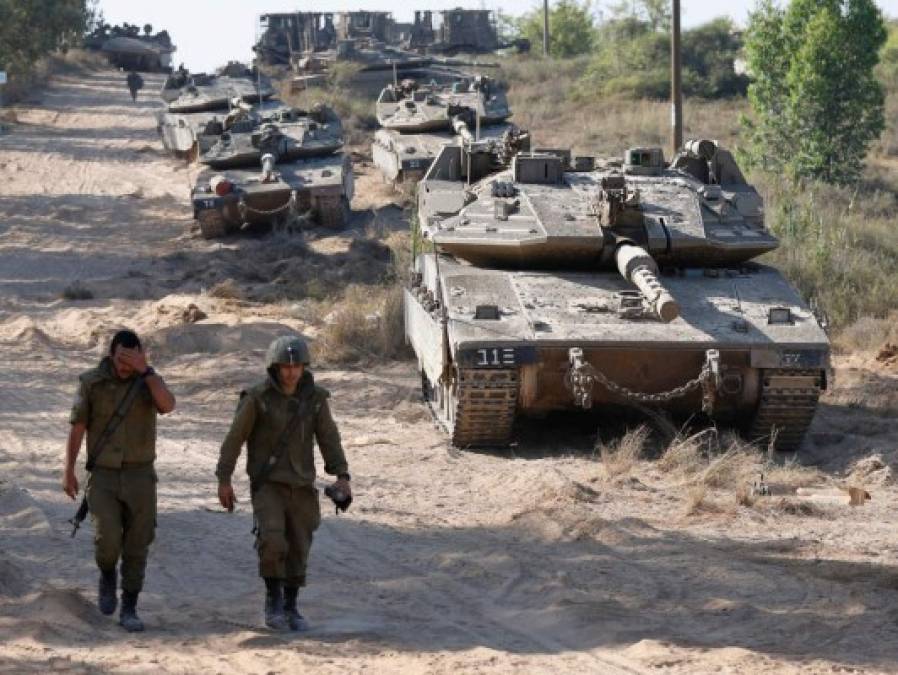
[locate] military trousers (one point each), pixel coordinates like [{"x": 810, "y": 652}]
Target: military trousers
[
  {"x": 123, "y": 511},
  {"x": 286, "y": 519}
]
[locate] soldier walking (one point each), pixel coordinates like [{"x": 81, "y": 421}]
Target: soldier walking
[
  {"x": 135, "y": 84},
  {"x": 116, "y": 406},
  {"x": 280, "y": 419}
]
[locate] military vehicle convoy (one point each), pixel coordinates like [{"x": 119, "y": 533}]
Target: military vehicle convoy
[
  {"x": 417, "y": 120},
  {"x": 269, "y": 170},
  {"x": 559, "y": 282}
]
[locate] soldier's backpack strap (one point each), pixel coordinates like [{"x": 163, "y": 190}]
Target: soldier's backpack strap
[
  {"x": 296, "y": 404},
  {"x": 117, "y": 416}
]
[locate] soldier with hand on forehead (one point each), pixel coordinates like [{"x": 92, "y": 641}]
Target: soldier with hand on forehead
[
  {"x": 116, "y": 407},
  {"x": 280, "y": 419}
]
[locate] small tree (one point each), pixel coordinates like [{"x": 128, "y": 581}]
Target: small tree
[
  {"x": 816, "y": 101},
  {"x": 571, "y": 28}
]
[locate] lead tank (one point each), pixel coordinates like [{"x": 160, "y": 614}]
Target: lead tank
[{"x": 579, "y": 283}]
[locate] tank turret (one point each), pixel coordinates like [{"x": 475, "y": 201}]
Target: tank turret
[{"x": 557, "y": 281}]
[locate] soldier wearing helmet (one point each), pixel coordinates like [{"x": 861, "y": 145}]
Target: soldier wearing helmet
[{"x": 280, "y": 419}]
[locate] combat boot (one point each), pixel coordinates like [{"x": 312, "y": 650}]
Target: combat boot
[
  {"x": 106, "y": 599},
  {"x": 274, "y": 605},
  {"x": 295, "y": 621},
  {"x": 128, "y": 618}
]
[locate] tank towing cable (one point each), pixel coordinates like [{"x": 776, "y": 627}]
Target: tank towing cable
[{"x": 581, "y": 377}]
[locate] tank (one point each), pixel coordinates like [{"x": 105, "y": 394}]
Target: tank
[
  {"x": 558, "y": 282},
  {"x": 214, "y": 92},
  {"x": 419, "y": 120},
  {"x": 191, "y": 135},
  {"x": 413, "y": 108},
  {"x": 273, "y": 171},
  {"x": 287, "y": 133}
]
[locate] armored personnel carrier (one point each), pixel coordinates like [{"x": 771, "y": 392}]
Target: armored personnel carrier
[
  {"x": 418, "y": 120},
  {"x": 559, "y": 283},
  {"x": 286, "y": 133},
  {"x": 301, "y": 174}
]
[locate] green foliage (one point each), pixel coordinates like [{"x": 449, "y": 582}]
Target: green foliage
[
  {"x": 655, "y": 14},
  {"x": 633, "y": 59},
  {"x": 888, "y": 57},
  {"x": 816, "y": 101},
  {"x": 572, "y": 28},
  {"x": 837, "y": 245},
  {"x": 31, "y": 29}
]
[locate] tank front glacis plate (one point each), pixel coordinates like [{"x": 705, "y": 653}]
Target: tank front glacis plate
[
  {"x": 310, "y": 178},
  {"x": 582, "y": 309}
]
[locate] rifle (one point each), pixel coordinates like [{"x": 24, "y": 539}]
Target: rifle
[
  {"x": 117, "y": 416},
  {"x": 79, "y": 516}
]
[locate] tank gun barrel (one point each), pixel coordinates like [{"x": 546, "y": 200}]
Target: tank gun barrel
[
  {"x": 460, "y": 126},
  {"x": 268, "y": 163},
  {"x": 639, "y": 268}
]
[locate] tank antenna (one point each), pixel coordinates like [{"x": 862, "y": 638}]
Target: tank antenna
[
  {"x": 546, "y": 28},
  {"x": 676, "y": 89}
]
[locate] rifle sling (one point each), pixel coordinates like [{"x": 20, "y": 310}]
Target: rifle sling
[{"x": 259, "y": 479}]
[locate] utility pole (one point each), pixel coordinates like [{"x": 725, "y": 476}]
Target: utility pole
[
  {"x": 676, "y": 89},
  {"x": 545, "y": 27}
]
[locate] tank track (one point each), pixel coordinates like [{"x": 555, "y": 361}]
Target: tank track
[
  {"x": 788, "y": 402},
  {"x": 481, "y": 409},
  {"x": 332, "y": 212},
  {"x": 485, "y": 403},
  {"x": 212, "y": 224}
]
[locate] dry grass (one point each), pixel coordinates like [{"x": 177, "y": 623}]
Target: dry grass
[
  {"x": 366, "y": 324},
  {"x": 620, "y": 456},
  {"x": 705, "y": 467},
  {"x": 227, "y": 289},
  {"x": 868, "y": 334},
  {"x": 547, "y": 99},
  {"x": 22, "y": 85}
]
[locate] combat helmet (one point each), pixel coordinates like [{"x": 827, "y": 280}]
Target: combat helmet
[{"x": 287, "y": 349}]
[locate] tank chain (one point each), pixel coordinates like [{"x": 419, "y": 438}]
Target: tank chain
[
  {"x": 582, "y": 376},
  {"x": 246, "y": 208}
]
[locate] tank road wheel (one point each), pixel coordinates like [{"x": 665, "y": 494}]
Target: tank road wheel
[
  {"x": 212, "y": 224},
  {"x": 787, "y": 406},
  {"x": 475, "y": 407},
  {"x": 332, "y": 212}
]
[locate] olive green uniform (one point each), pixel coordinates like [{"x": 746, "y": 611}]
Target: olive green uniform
[
  {"x": 121, "y": 490},
  {"x": 285, "y": 504}
]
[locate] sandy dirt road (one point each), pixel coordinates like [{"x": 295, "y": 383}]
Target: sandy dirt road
[{"x": 526, "y": 560}]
